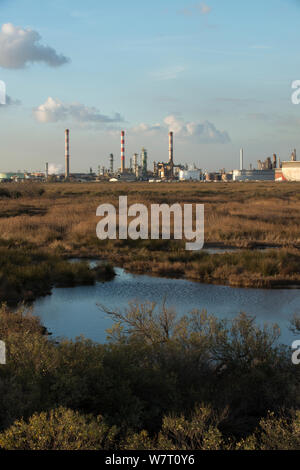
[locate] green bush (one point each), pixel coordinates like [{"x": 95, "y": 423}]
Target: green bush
[
  {"x": 26, "y": 273},
  {"x": 155, "y": 370},
  {"x": 178, "y": 433},
  {"x": 275, "y": 433},
  {"x": 59, "y": 429}
]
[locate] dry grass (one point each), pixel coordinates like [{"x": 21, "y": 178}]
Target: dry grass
[
  {"x": 236, "y": 214},
  {"x": 62, "y": 218}
]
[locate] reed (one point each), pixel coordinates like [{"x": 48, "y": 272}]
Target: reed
[{"x": 60, "y": 219}]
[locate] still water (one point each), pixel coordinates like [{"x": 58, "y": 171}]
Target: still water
[{"x": 71, "y": 312}]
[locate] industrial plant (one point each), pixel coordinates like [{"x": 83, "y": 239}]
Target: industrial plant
[{"x": 270, "y": 169}]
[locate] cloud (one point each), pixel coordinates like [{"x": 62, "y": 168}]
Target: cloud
[
  {"x": 147, "y": 129},
  {"x": 20, "y": 47},
  {"x": 198, "y": 8},
  {"x": 168, "y": 73},
  {"x": 54, "y": 110},
  {"x": 205, "y": 132}
]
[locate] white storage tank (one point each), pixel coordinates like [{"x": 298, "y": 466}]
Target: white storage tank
[{"x": 190, "y": 175}]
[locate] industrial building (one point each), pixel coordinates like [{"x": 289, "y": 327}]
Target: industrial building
[
  {"x": 265, "y": 172},
  {"x": 190, "y": 175},
  {"x": 211, "y": 177},
  {"x": 268, "y": 164},
  {"x": 290, "y": 171},
  {"x": 253, "y": 175},
  {"x": 168, "y": 170},
  {"x": 6, "y": 177},
  {"x": 271, "y": 169}
]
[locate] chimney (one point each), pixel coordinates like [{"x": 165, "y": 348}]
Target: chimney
[
  {"x": 241, "y": 159},
  {"x": 122, "y": 151},
  {"x": 111, "y": 160},
  {"x": 47, "y": 171},
  {"x": 171, "y": 151},
  {"x": 67, "y": 154}
]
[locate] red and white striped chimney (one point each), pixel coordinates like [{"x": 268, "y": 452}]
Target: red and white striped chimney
[
  {"x": 122, "y": 151},
  {"x": 171, "y": 155}
]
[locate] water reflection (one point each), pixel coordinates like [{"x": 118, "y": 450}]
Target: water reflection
[{"x": 72, "y": 312}]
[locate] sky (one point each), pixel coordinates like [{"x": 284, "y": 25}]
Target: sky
[{"x": 217, "y": 73}]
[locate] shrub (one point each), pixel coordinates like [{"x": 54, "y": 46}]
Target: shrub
[
  {"x": 178, "y": 433},
  {"x": 151, "y": 375},
  {"x": 59, "y": 429},
  {"x": 275, "y": 433},
  {"x": 27, "y": 273}
]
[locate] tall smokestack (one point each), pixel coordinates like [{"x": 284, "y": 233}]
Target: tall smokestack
[
  {"x": 135, "y": 164},
  {"x": 171, "y": 150},
  {"x": 122, "y": 151},
  {"x": 111, "y": 162},
  {"x": 47, "y": 171},
  {"x": 241, "y": 159},
  {"x": 67, "y": 154}
]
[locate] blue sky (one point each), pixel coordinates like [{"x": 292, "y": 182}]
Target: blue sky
[{"x": 218, "y": 73}]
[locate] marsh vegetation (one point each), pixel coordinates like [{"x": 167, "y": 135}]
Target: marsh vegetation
[
  {"x": 161, "y": 382},
  {"x": 59, "y": 221}
]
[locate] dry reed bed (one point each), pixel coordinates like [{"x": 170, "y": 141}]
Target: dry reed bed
[
  {"x": 238, "y": 215},
  {"x": 62, "y": 218}
]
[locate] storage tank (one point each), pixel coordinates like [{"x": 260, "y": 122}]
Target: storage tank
[{"x": 189, "y": 175}]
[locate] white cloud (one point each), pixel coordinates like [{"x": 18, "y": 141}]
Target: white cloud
[
  {"x": 205, "y": 132},
  {"x": 54, "y": 110},
  {"x": 147, "y": 129},
  {"x": 19, "y": 47}
]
